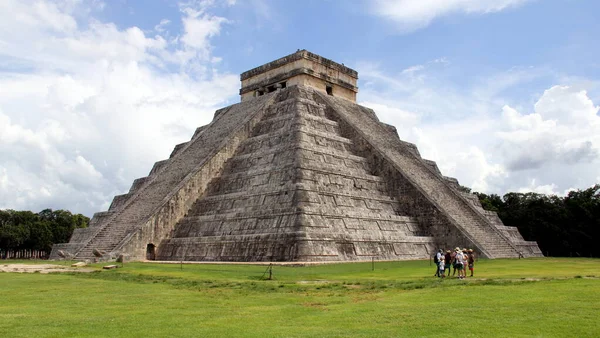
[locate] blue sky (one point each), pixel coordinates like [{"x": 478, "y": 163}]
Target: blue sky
[{"x": 503, "y": 94}]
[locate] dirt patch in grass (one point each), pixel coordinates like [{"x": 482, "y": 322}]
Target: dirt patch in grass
[
  {"x": 352, "y": 286},
  {"x": 316, "y": 305},
  {"x": 40, "y": 268},
  {"x": 315, "y": 282}
]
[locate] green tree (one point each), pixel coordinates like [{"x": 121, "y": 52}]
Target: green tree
[
  {"x": 562, "y": 226},
  {"x": 25, "y": 230}
]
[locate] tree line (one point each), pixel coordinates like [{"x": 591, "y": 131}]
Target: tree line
[
  {"x": 562, "y": 226},
  {"x": 25, "y": 234},
  {"x": 566, "y": 226}
]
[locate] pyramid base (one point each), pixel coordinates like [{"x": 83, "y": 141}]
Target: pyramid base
[{"x": 291, "y": 248}]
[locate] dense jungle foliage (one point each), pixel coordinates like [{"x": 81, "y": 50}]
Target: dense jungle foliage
[
  {"x": 25, "y": 232},
  {"x": 562, "y": 226}
]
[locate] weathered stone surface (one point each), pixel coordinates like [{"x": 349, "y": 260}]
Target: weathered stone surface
[
  {"x": 443, "y": 210},
  {"x": 302, "y": 68},
  {"x": 98, "y": 253},
  {"x": 78, "y": 264},
  {"x": 298, "y": 174},
  {"x": 110, "y": 267},
  {"x": 64, "y": 254}
]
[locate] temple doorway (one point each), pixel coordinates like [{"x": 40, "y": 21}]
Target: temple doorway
[{"x": 150, "y": 252}]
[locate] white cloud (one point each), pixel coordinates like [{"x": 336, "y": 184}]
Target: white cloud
[
  {"x": 412, "y": 69},
  {"x": 410, "y": 15},
  {"x": 86, "y": 106},
  {"x": 475, "y": 136},
  {"x": 564, "y": 128},
  {"x": 568, "y": 105},
  {"x": 49, "y": 16},
  {"x": 547, "y": 189},
  {"x": 199, "y": 28},
  {"x": 385, "y": 113},
  {"x": 161, "y": 26}
]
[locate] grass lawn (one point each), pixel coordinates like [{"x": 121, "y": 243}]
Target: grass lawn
[{"x": 546, "y": 297}]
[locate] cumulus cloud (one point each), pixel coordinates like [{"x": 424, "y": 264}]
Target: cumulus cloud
[
  {"x": 411, "y": 15},
  {"x": 550, "y": 146},
  {"x": 564, "y": 128},
  {"x": 409, "y": 119},
  {"x": 87, "y": 106},
  {"x": 547, "y": 189},
  {"x": 199, "y": 28}
]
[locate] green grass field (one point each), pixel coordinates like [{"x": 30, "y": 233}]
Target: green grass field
[{"x": 546, "y": 297}]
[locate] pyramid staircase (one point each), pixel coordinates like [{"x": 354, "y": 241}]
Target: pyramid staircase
[{"x": 295, "y": 191}]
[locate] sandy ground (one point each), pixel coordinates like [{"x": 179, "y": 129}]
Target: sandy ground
[{"x": 40, "y": 268}]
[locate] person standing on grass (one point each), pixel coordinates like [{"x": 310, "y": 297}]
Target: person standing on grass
[
  {"x": 436, "y": 260},
  {"x": 465, "y": 262},
  {"x": 454, "y": 266},
  {"x": 459, "y": 262},
  {"x": 471, "y": 260},
  {"x": 465, "y": 254},
  {"x": 441, "y": 266},
  {"x": 448, "y": 261}
]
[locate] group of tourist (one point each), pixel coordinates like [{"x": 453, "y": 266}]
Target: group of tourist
[{"x": 457, "y": 260}]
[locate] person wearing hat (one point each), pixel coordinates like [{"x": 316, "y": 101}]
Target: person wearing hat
[
  {"x": 471, "y": 260},
  {"x": 448, "y": 260},
  {"x": 465, "y": 254},
  {"x": 460, "y": 263},
  {"x": 454, "y": 262}
]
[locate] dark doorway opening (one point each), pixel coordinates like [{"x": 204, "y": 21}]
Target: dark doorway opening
[
  {"x": 329, "y": 90},
  {"x": 150, "y": 252}
]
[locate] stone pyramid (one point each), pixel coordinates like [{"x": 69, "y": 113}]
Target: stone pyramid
[{"x": 297, "y": 171}]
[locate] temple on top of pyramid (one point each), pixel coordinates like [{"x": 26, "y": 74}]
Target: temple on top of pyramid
[
  {"x": 302, "y": 68},
  {"x": 297, "y": 171}
]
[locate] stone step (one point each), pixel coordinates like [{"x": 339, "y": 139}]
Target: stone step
[
  {"x": 137, "y": 184},
  {"x": 297, "y": 132},
  {"x": 236, "y": 214},
  {"x": 274, "y": 122},
  {"x": 263, "y": 195},
  {"x": 328, "y": 185},
  {"x": 178, "y": 148},
  {"x": 332, "y": 169},
  {"x": 234, "y": 205},
  {"x": 314, "y": 174},
  {"x": 307, "y": 210}
]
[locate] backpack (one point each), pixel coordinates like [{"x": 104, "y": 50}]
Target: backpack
[{"x": 435, "y": 258}]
